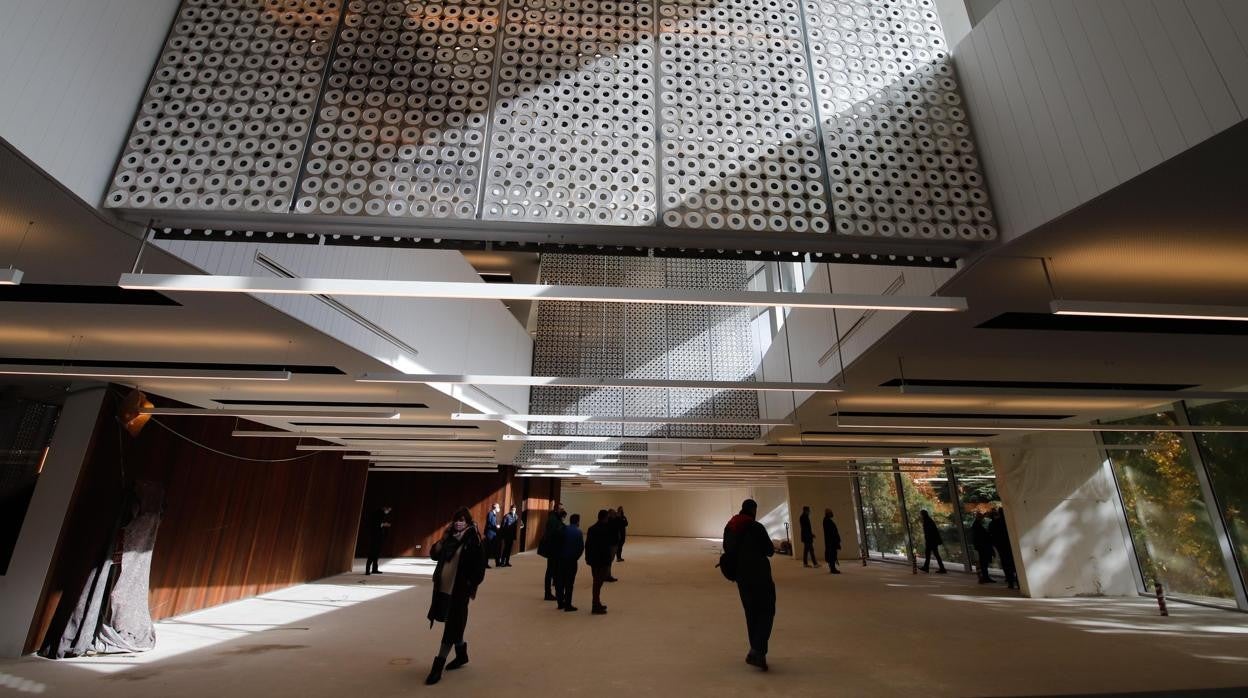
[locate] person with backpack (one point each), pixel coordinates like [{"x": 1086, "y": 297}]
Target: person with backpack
[
  {"x": 549, "y": 546},
  {"x": 460, "y": 570},
  {"x": 747, "y": 545}
]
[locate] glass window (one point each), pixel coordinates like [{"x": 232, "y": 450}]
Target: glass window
[
  {"x": 977, "y": 486},
  {"x": 1226, "y": 458},
  {"x": 1170, "y": 527},
  {"x": 927, "y": 487},
  {"x": 886, "y": 532}
]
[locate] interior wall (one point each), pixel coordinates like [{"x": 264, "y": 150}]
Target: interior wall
[
  {"x": 678, "y": 513},
  {"x": 819, "y": 493},
  {"x": 423, "y": 503},
  {"x": 231, "y": 527},
  {"x": 72, "y": 73},
  {"x": 1066, "y": 525}
]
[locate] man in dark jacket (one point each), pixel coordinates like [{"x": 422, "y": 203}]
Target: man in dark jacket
[
  {"x": 981, "y": 538},
  {"x": 623, "y": 524},
  {"x": 491, "y": 535},
  {"x": 831, "y": 541},
  {"x": 932, "y": 541},
  {"x": 1001, "y": 541},
  {"x": 598, "y": 551},
  {"x": 377, "y": 526},
  {"x": 746, "y": 549},
  {"x": 548, "y": 547},
  {"x": 808, "y": 538},
  {"x": 507, "y": 532},
  {"x": 569, "y": 555}
]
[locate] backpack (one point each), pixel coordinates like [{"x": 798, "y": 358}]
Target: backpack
[{"x": 728, "y": 565}]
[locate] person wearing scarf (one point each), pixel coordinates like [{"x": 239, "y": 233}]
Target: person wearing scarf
[{"x": 460, "y": 570}]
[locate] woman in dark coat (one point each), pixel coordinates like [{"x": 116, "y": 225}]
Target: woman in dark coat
[{"x": 460, "y": 570}]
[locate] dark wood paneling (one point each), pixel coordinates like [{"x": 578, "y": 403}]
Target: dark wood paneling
[
  {"x": 424, "y": 502},
  {"x": 231, "y": 529},
  {"x": 540, "y": 495}
]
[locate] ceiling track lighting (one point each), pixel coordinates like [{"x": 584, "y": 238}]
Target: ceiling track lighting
[
  {"x": 607, "y": 419},
  {"x": 10, "y": 277},
  {"x": 1151, "y": 311},
  {"x": 397, "y": 468},
  {"x": 598, "y": 382},
  {"x": 460, "y": 290},
  {"x": 408, "y": 458},
  {"x": 265, "y": 414},
  {"x": 436, "y": 436},
  {"x": 125, "y": 373}
]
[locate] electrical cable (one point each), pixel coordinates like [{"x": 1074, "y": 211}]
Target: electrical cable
[{"x": 188, "y": 439}]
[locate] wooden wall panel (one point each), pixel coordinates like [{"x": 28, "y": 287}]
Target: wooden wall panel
[
  {"x": 231, "y": 529},
  {"x": 424, "y": 502}
]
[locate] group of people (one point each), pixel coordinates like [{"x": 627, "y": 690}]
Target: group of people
[
  {"x": 500, "y": 535},
  {"x": 988, "y": 534},
  {"x": 831, "y": 540},
  {"x": 563, "y": 544}
]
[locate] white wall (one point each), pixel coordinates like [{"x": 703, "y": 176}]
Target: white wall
[
  {"x": 72, "y": 74},
  {"x": 450, "y": 336},
  {"x": 820, "y": 493},
  {"x": 21, "y": 587},
  {"x": 675, "y": 513},
  {"x": 1066, "y": 525},
  {"x": 1070, "y": 98}
]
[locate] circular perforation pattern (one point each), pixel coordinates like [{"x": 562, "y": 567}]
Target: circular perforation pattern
[
  {"x": 573, "y": 137},
  {"x": 226, "y": 114},
  {"x": 739, "y": 149},
  {"x": 900, "y": 155},
  {"x": 401, "y": 127}
]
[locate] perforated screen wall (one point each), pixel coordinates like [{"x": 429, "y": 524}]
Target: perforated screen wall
[{"x": 755, "y": 116}]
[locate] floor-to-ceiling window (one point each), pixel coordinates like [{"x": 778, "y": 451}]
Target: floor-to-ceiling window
[
  {"x": 1173, "y": 535},
  {"x": 927, "y": 489},
  {"x": 1225, "y": 455},
  {"x": 881, "y": 514}
]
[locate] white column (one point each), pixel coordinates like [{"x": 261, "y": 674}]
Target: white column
[
  {"x": 1066, "y": 524},
  {"x": 21, "y": 587},
  {"x": 819, "y": 493}
]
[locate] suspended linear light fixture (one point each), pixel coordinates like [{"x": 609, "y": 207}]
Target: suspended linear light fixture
[
  {"x": 597, "y": 382},
  {"x": 10, "y": 277},
  {"x": 266, "y": 414},
  {"x": 461, "y": 290},
  {"x": 624, "y": 439},
  {"x": 141, "y": 373},
  {"x": 608, "y": 419},
  {"x": 1154, "y": 311}
]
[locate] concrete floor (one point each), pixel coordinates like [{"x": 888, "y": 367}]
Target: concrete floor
[{"x": 674, "y": 628}]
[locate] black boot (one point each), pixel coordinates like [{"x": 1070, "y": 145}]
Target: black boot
[
  {"x": 435, "y": 673},
  {"x": 461, "y": 657}
]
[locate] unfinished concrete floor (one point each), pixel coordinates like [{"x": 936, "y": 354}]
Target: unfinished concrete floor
[{"x": 674, "y": 628}]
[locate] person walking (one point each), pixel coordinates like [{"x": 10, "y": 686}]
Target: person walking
[
  {"x": 982, "y": 540},
  {"x": 569, "y": 555},
  {"x": 507, "y": 533},
  {"x": 623, "y": 524},
  {"x": 491, "y": 535},
  {"x": 613, "y": 539},
  {"x": 378, "y": 527},
  {"x": 548, "y": 547},
  {"x": 1001, "y": 541},
  {"x": 598, "y": 551},
  {"x": 931, "y": 542},
  {"x": 808, "y": 538},
  {"x": 459, "y": 572},
  {"x": 746, "y": 549},
  {"x": 831, "y": 541}
]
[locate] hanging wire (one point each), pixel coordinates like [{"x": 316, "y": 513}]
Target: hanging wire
[
  {"x": 21, "y": 243},
  {"x": 188, "y": 439}
]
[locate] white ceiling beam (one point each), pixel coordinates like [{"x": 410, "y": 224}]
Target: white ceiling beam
[
  {"x": 624, "y": 440},
  {"x": 462, "y": 290},
  {"x": 608, "y": 419},
  {"x": 1021, "y": 425},
  {"x": 598, "y": 382},
  {"x": 349, "y": 433}
]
